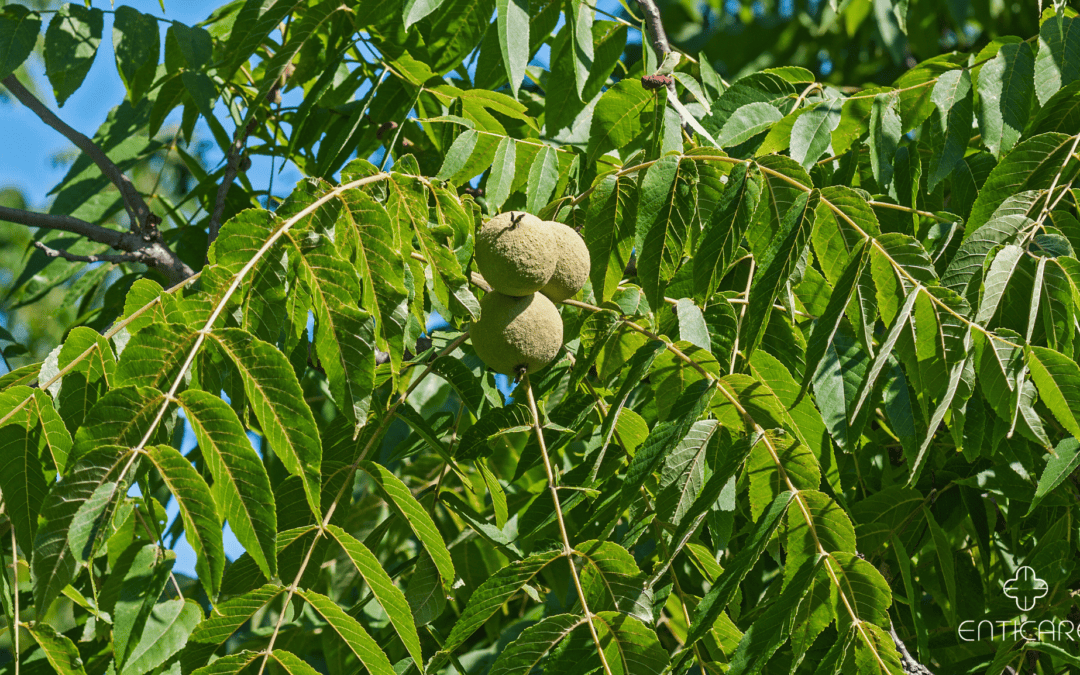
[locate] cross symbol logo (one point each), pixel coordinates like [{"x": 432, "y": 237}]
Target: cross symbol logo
[{"x": 1025, "y": 588}]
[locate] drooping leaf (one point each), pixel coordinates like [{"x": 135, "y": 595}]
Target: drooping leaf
[
  {"x": 71, "y": 43},
  {"x": 351, "y": 632},
  {"x": 202, "y": 526},
  {"x": 241, "y": 486},
  {"x": 382, "y": 587}
]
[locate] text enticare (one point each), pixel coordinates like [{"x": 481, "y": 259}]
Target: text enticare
[{"x": 1044, "y": 631}]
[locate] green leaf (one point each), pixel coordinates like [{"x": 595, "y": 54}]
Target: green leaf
[
  {"x": 579, "y": 16},
  {"x": 718, "y": 597},
  {"x": 259, "y": 18},
  {"x": 884, "y": 139},
  {"x": 61, "y": 653},
  {"x": 525, "y": 652},
  {"x": 401, "y": 500},
  {"x": 612, "y": 580},
  {"x": 202, "y": 526},
  {"x": 773, "y": 626},
  {"x": 225, "y": 620},
  {"x": 1058, "y": 380},
  {"x": 1005, "y": 87},
  {"x": 192, "y": 45},
  {"x": 22, "y": 479},
  {"x": 866, "y": 591},
  {"x": 136, "y": 44},
  {"x": 425, "y": 595},
  {"x": 382, "y": 587},
  {"x": 946, "y": 570},
  {"x": 775, "y": 266},
  {"x": 458, "y": 155},
  {"x": 344, "y": 334},
  {"x": 417, "y": 9},
  {"x": 164, "y": 634},
  {"x": 477, "y": 439},
  {"x": 278, "y": 403},
  {"x": 684, "y": 473},
  {"x": 799, "y": 465},
  {"x": 692, "y": 326},
  {"x": 19, "y": 29},
  {"x": 154, "y": 355},
  {"x": 71, "y": 43},
  {"x": 1059, "y": 466},
  {"x": 512, "y": 23},
  {"x": 241, "y": 486},
  {"x": 609, "y": 232},
  {"x": 1001, "y": 271},
  {"x": 666, "y": 209},
  {"x": 619, "y": 117},
  {"x": 950, "y": 124},
  {"x": 829, "y": 526},
  {"x": 885, "y": 350},
  {"x": 54, "y": 563},
  {"x": 748, "y": 121},
  {"x": 811, "y": 133},
  {"x": 630, "y": 646},
  {"x": 348, "y": 629},
  {"x": 490, "y": 596},
  {"x": 292, "y": 663},
  {"x": 502, "y": 172},
  {"x": 826, "y": 325},
  {"x": 1031, "y": 165},
  {"x": 724, "y": 231},
  {"x": 229, "y": 665},
  {"x": 666, "y": 435},
  {"x": 1058, "y": 61},
  {"x": 543, "y": 174},
  {"x": 138, "y": 580}
]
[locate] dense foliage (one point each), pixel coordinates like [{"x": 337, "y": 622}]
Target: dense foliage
[{"x": 818, "y": 403}]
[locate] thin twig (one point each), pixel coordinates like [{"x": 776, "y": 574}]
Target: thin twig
[
  {"x": 568, "y": 551},
  {"x": 134, "y": 256},
  {"x": 232, "y": 168}
]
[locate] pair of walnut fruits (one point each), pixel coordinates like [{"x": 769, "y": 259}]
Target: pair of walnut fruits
[{"x": 530, "y": 265}]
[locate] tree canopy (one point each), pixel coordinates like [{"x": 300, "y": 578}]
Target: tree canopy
[{"x": 816, "y": 409}]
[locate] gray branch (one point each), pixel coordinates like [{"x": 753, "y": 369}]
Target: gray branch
[
  {"x": 909, "y": 663},
  {"x": 137, "y": 256},
  {"x": 654, "y": 26},
  {"x": 143, "y": 241},
  {"x": 136, "y": 207},
  {"x": 152, "y": 253}
]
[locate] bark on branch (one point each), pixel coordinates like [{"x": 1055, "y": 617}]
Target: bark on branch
[
  {"x": 152, "y": 253},
  {"x": 909, "y": 663},
  {"x": 137, "y": 256},
  {"x": 141, "y": 244}
]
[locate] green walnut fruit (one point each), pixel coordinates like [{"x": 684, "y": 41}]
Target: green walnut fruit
[
  {"x": 571, "y": 267},
  {"x": 516, "y": 253},
  {"x": 517, "y": 334}
]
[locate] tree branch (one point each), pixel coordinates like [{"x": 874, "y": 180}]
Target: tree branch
[
  {"x": 141, "y": 244},
  {"x": 136, "y": 256},
  {"x": 152, "y": 253},
  {"x": 907, "y": 661},
  {"x": 232, "y": 168},
  {"x": 655, "y": 28},
  {"x": 138, "y": 211}
]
